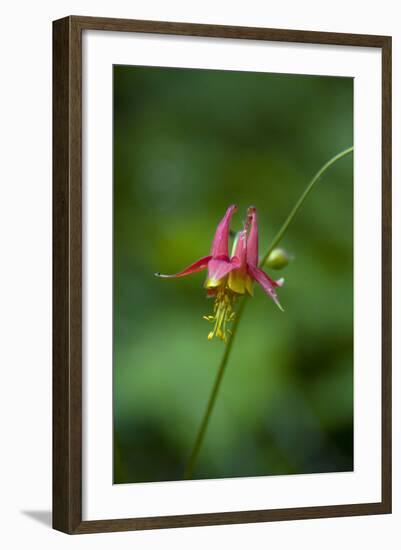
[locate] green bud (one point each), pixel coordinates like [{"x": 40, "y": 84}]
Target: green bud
[{"x": 278, "y": 258}]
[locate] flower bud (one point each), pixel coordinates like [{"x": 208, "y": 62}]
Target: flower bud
[{"x": 278, "y": 258}]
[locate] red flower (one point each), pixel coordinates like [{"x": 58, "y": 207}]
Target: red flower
[{"x": 230, "y": 277}]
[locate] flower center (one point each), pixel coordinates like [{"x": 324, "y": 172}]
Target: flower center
[{"x": 223, "y": 313}]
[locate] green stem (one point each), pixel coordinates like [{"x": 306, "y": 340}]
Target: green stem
[
  {"x": 301, "y": 200},
  {"x": 213, "y": 395},
  {"x": 224, "y": 360}
]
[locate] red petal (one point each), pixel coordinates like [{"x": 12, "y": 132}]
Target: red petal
[
  {"x": 220, "y": 241},
  {"x": 193, "y": 268},
  {"x": 217, "y": 269},
  {"x": 253, "y": 239},
  {"x": 266, "y": 283}
]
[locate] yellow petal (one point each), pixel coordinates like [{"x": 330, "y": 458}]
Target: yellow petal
[
  {"x": 214, "y": 283},
  {"x": 237, "y": 281}
]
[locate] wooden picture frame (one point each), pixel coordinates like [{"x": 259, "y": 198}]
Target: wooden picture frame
[{"x": 67, "y": 274}]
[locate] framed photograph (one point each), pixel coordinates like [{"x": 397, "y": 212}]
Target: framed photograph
[{"x": 222, "y": 274}]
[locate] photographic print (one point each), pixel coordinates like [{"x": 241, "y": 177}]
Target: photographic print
[
  {"x": 232, "y": 274},
  {"x": 221, "y": 274}
]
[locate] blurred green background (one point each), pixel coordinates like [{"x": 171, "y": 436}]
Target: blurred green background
[{"x": 188, "y": 143}]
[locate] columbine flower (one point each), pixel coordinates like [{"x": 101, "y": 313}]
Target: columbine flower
[{"x": 230, "y": 277}]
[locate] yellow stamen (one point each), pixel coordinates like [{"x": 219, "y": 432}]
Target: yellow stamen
[{"x": 222, "y": 313}]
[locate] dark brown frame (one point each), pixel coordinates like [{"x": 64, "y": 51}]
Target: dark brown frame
[{"x": 67, "y": 274}]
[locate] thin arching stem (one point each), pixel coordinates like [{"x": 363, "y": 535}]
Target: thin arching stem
[
  {"x": 280, "y": 234},
  {"x": 228, "y": 347}
]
